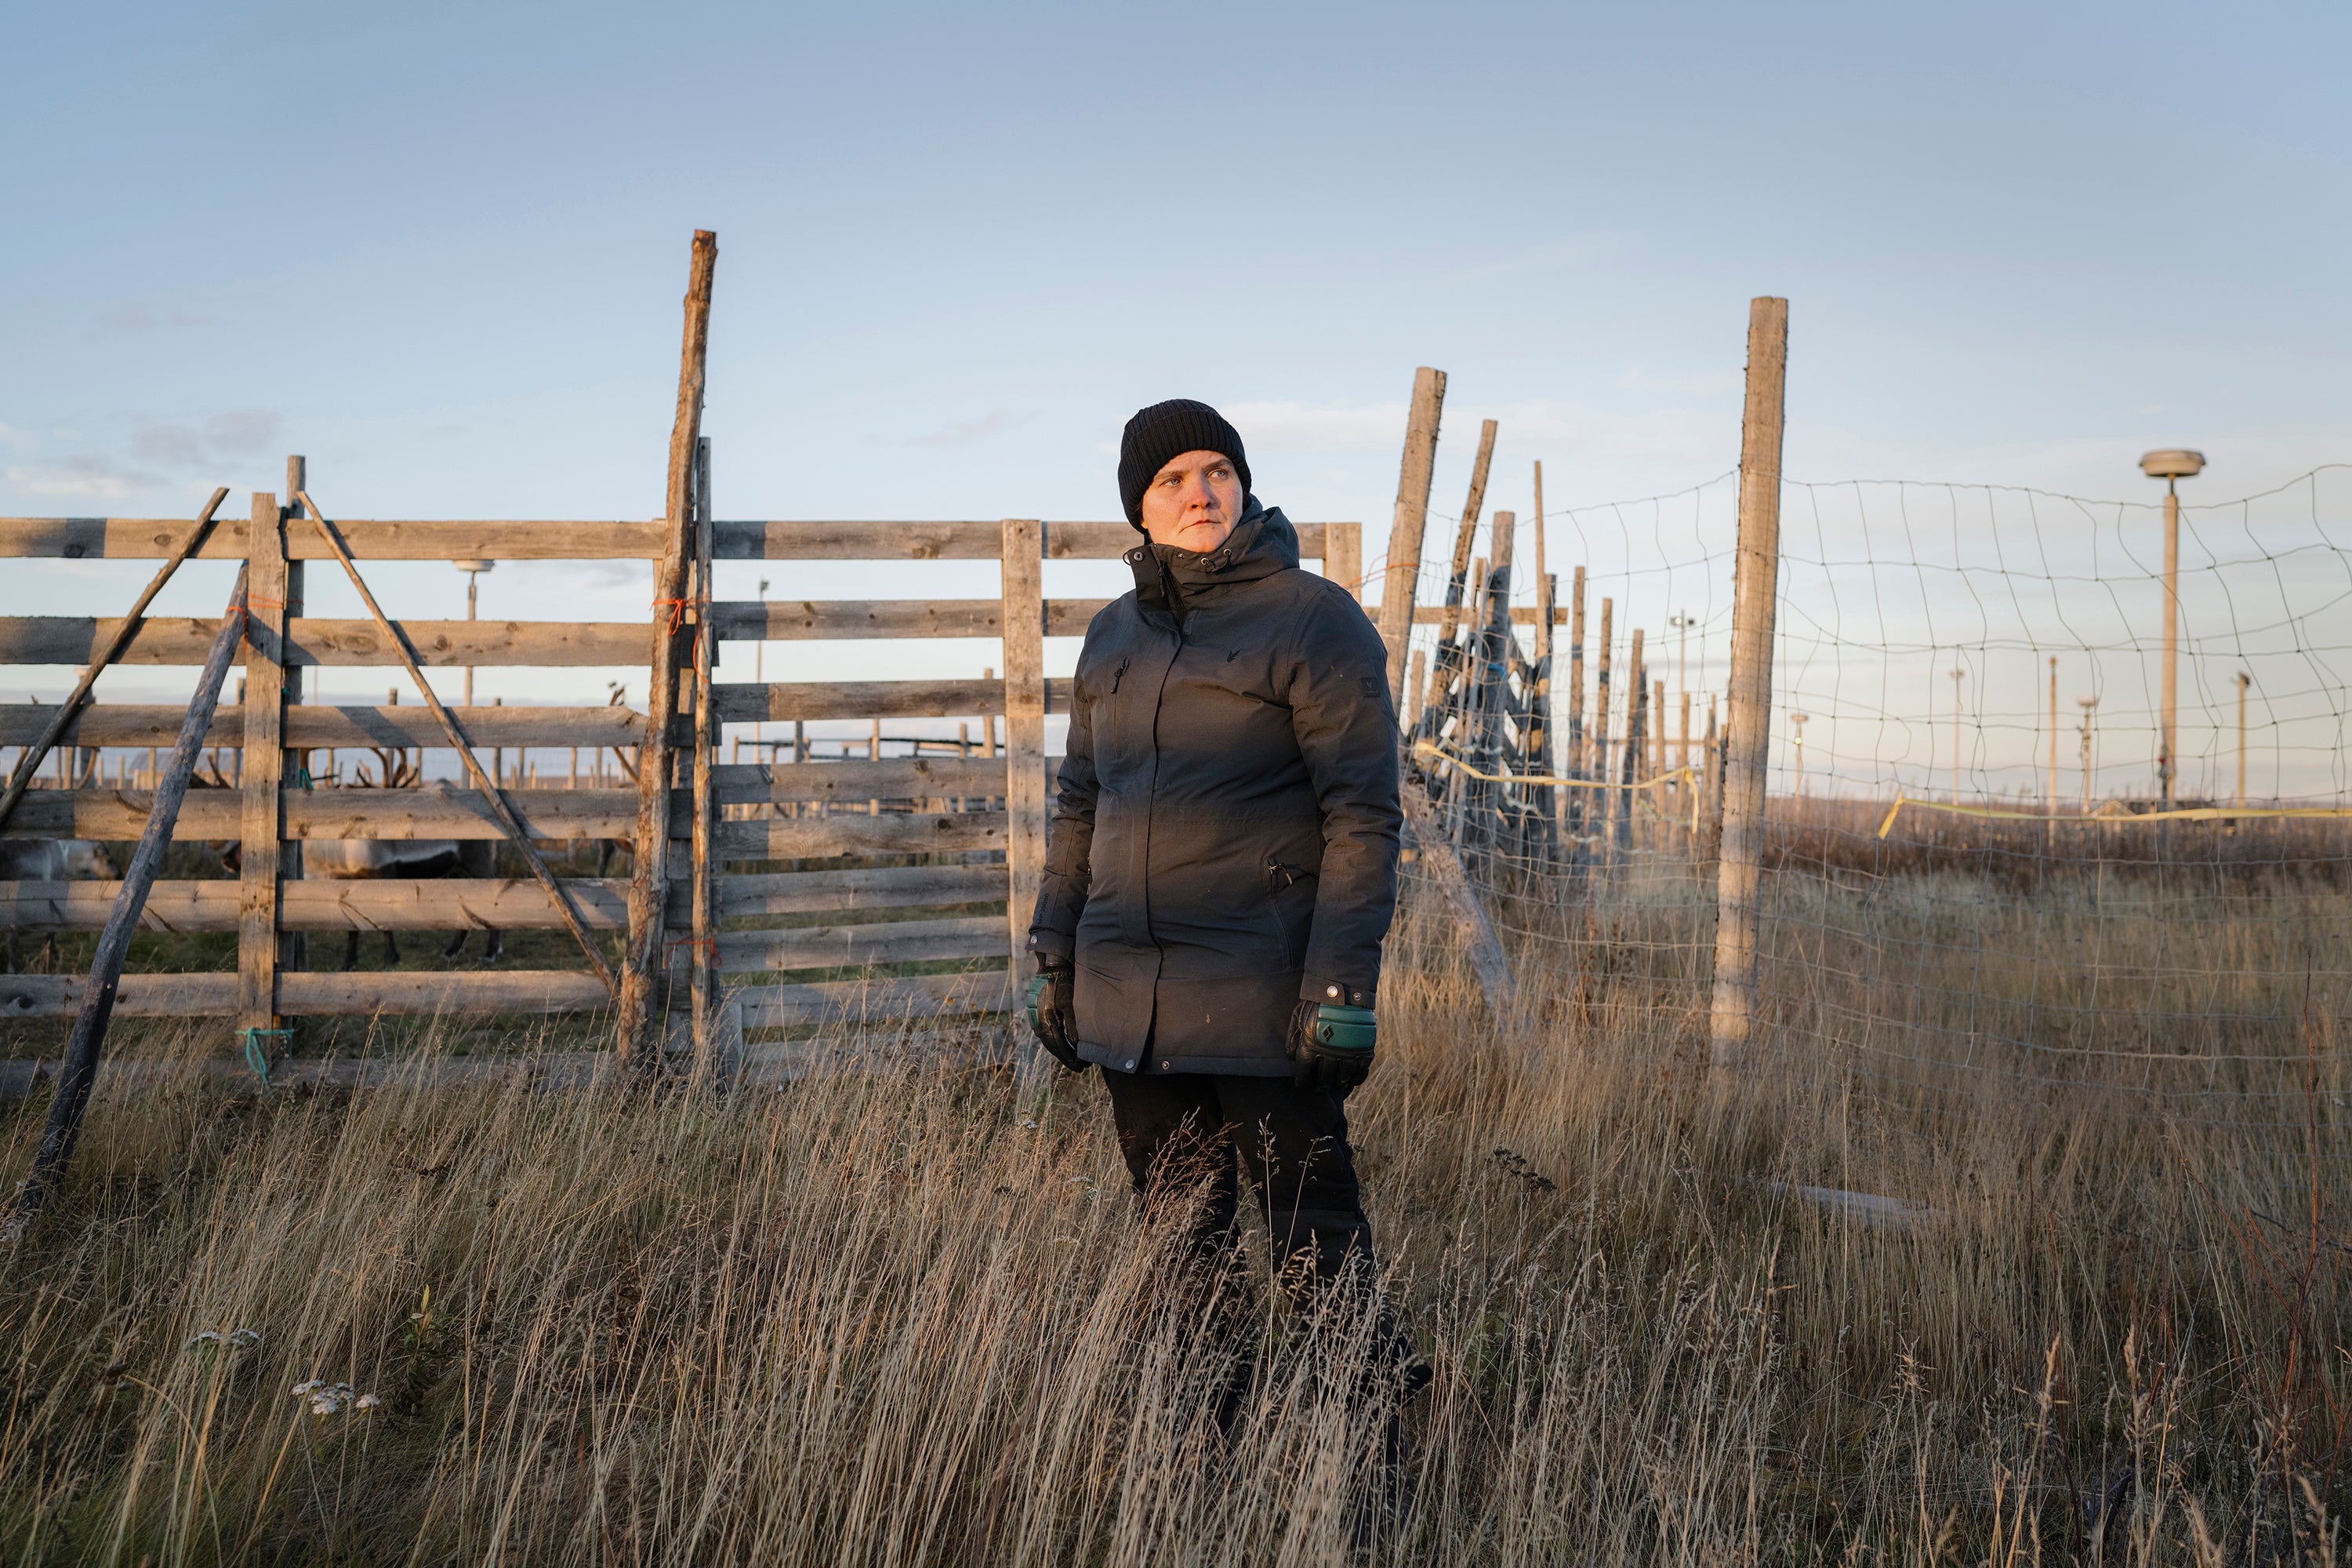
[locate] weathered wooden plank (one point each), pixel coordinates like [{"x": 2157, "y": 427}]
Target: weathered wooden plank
[
  {"x": 777, "y": 620},
  {"x": 115, "y": 814},
  {"x": 743, "y": 703},
  {"x": 845, "y": 541},
  {"x": 863, "y": 888},
  {"x": 914, "y": 996},
  {"x": 398, "y": 991},
  {"x": 140, "y": 996},
  {"x": 900, "y": 833},
  {"x": 1521, "y": 614},
  {"x": 178, "y": 639},
  {"x": 440, "y": 539},
  {"x": 1025, "y": 727},
  {"x": 399, "y": 904},
  {"x": 457, "y": 538},
  {"x": 144, "y": 725},
  {"x": 858, "y": 779},
  {"x": 271, "y": 609},
  {"x": 838, "y": 946}
]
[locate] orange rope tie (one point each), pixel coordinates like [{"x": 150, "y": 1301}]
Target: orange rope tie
[
  {"x": 678, "y": 608},
  {"x": 690, "y": 941}
]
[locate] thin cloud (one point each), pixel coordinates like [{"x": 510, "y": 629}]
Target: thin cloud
[
  {"x": 243, "y": 430},
  {"x": 84, "y": 474},
  {"x": 1294, "y": 426},
  {"x": 138, "y": 318},
  {"x": 1565, "y": 251},
  {"x": 965, "y": 432}
]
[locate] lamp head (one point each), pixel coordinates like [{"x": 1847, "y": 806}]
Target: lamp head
[
  {"x": 2173, "y": 463},
  {"x": 473, "y": 565}
]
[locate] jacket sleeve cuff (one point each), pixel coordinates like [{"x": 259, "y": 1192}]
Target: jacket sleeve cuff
[
  {"x": 1332, "y": 991},
  {"x": 1046, "y": 943}
]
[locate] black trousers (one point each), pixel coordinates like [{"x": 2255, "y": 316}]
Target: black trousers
[{"x": 1181, "y": 1131}]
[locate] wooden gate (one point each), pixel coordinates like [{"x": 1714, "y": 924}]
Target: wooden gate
[{"x": 271, "y": 747}]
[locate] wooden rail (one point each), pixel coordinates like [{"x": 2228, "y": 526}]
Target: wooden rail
[
  {"x": 396, "y": 992},
  {"x": 168, "y": 639},
  {"x": 310, "y": 728},
  {"x": 458, "y": 539},
  {"x": 397, "y": 904}
]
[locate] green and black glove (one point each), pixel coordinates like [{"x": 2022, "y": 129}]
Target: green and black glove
[
  {"x": 1331, "y": 1046},
  {"x": 1051, "y": 1018}
]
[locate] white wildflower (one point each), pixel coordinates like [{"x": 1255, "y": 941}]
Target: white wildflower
[
  {"x": 207, "y": 1338},
  {"x": 245, "y": 1339},
  {"x": 366, "y": 1402}
]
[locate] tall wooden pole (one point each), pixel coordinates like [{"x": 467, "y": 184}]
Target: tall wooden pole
[
  {"x": 1600, "y": 755},
  {"x": 642, "y": 970},
  {"x": 2243, "y": 681},
  {"x": 704, "y": 883},
  {"x": 1755, "y": 590},
  {"x": 2051, "y": 793},
  {"x": 1021, "y": 584},
  {"x": 262, "y": 773},
  {"x": 1573, "y": 802},
  {"x": 1460, "y": 580},
  {"x": 1410, "y": 521}
]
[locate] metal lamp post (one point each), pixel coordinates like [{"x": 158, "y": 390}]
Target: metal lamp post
[
  {"x": 1797, "y": 723},
  {"x": 2172, "y": 466},
  {"x": 473, "y": 570}
]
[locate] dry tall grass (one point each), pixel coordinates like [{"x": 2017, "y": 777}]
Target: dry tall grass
[{"x": 891, "y": 1313}]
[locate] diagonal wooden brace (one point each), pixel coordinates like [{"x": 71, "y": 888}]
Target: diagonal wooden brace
[
  {"x": 39, "y": 750},
  {"x": 499, "y": 813}
]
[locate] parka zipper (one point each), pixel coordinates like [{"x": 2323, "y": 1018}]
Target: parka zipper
[{"x": 1117, "y": 674}]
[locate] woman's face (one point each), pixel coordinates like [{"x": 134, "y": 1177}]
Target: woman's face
[{"x": 1194, "y": 501}]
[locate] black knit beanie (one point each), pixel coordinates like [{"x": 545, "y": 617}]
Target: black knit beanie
[{"x": 1165, "y": 431}]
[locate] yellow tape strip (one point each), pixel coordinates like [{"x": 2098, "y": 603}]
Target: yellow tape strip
[{"x": 2111, "y": 814}]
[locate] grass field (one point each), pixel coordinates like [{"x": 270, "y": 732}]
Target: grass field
[{"x": 900, "y": 1312}]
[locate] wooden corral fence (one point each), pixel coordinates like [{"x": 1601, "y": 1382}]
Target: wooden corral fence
[{"x": 797, "y": 836}]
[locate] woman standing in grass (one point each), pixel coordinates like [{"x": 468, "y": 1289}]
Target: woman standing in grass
[{"x": 1223, "y": 863}]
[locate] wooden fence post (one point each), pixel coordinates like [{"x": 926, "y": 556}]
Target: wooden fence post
[
  {"x": 294, "y": 947},
  {"x": 1747, "y": 729},
  {"x": 1025, "y": 727},
  {"x": 644, "y": 969},
  {"x": 1343, "y": 557},
  {"x": 263, "y": 767},
  {"x": 1450, "y": 675},
  {"x": 706, "y": 748},
  {"x": 1418, "y": 469}
]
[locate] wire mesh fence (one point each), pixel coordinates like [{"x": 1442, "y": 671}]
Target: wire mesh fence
[{"x": 1999, "y": 864}]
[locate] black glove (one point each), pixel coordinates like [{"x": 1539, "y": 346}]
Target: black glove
[
  {"x": 1050, "y": 1014},
  {"x": 1330, "y": 1047}
]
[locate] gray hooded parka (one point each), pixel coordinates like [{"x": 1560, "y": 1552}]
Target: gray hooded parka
[{"x": 1224, "y": 841}]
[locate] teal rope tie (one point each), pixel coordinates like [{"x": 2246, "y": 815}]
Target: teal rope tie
[{"x": 254, "y": 1057}]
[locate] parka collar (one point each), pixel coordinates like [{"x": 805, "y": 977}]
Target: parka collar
[{"x": 1262, "y": 543}]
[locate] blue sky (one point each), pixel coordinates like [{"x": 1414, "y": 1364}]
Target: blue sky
[{"x": 439, "y": 249}]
